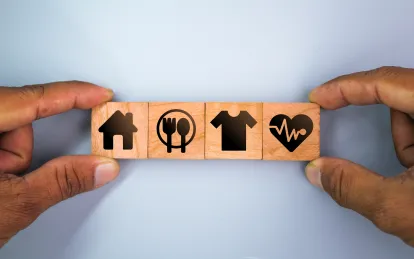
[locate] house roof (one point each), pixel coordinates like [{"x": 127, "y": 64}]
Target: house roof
[{"x": 118, "y": 123}]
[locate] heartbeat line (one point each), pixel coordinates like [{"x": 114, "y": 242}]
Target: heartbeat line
[{"x": 294, "y": 134}]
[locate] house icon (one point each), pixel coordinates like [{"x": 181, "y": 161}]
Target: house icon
[{"x": 118, "y": 124}]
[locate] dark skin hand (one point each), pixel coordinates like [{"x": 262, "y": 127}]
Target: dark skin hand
[
  {"x": 387, "y": 202},
  {"x": 24, "y": 198}
]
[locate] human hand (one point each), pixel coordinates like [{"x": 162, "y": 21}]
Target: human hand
[
  {"x": 387, "y": 202},
  {"x": 24, "y": 198}
]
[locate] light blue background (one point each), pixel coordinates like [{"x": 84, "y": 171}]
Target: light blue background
[{"x": 207, "y": 50}]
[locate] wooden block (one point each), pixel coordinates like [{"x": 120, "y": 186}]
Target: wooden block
[
  {"x": 291, "y": 131},
  {"x": 233, "y": 131},
  {"x": 185, "y": 122},
  {"x": 120, "y": 130}
]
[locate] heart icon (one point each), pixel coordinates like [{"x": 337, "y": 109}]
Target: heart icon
[{"x": 291, "y": 132}]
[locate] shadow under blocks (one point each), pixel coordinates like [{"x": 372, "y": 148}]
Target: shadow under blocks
[{"x": 212, "y": 130}]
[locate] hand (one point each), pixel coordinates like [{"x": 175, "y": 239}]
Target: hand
[
  {"x": 387, "y": 202},
  {"x": 24, "y": 198}
]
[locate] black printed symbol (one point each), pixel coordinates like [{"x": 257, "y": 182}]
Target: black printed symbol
[
  {"x": 233, "y": 129},
  {"x": 291, "y": 132},
  {"x": 118, "y": 124},
  {"x": 169, "y": 126}
]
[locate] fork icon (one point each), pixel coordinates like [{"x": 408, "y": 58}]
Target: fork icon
[{"x": 169, "y": 128}]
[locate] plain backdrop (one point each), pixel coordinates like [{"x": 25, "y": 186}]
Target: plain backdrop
[{"x": 207, "y": 50}]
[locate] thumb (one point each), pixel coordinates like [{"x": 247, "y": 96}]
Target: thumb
[
  {"x": 65, "y": 177},
  {"x": 350, "y": 185}
]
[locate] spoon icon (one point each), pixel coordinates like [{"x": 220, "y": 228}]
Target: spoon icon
[{"x": 183, "y": 128}]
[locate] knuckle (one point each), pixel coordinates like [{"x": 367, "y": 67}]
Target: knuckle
[
  {"x": 27, "y": 161},
  {"x": 339, "y": 185},
  {"x": 20, "y": 207},
  {"x": 386, "y": 71},
  {"x": 27, "y": 207},
  {"x": 384, "y": 217},
  {"x": 30, "y": 91},
  {"x": 33, "y": 93},
  {"x": 393, "y": 213},
  {"x": 69, "y": 182},
  {"x": 24, "y": 162}
]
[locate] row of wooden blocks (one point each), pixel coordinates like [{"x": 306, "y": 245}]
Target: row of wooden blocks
[{"x": 216, "y": 130}]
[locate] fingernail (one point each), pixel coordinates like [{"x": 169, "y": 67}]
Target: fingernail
[
  {"x": 313, "y": 173},
  {"x": 310, "y": 97},
  {"x": 105, "y": 172},
  {"x": 312, "y": 100},
  {"x": 110, "y": 92}
]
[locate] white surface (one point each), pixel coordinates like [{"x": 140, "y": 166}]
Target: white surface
[{"x": 207, "y": 50}]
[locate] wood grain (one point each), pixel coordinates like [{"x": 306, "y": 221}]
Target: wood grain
[
  {"x": 103, "y": 112},
  {"x": 273, "y": 149},
  {"x": 195, "y": 149},
  {"x": 252, "y": 135}
]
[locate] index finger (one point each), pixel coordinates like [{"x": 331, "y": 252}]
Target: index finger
[
  {"x": 392, "y": 86},
  {"x": 22, "y": 105}
]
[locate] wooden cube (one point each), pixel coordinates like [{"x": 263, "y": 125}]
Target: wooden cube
[
  {"x": 291, "y": 131},
  {"x": 176, "y": 130},
  {"x": 120, "y": 130},
  {"x": 233, "y": 131}
]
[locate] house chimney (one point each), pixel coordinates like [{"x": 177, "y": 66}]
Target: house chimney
[{"x": 128, "y": 117}]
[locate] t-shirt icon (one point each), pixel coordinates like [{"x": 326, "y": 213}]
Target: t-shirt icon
[{"x": 233, "y": 129}]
